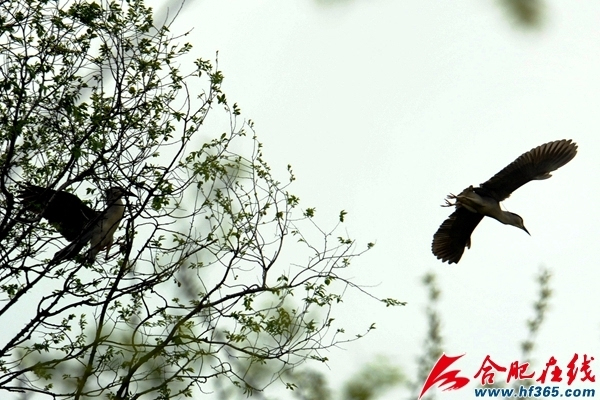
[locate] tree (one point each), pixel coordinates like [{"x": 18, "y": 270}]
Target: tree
[{"x": 200, "y": 285}]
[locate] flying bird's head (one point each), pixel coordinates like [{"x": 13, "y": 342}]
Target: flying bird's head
[{"x": 518, "y": 222}]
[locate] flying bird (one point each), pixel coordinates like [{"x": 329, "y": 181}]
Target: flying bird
[
  {"x": 75, "y": 221},
  {"x": 472, "y": 204}
]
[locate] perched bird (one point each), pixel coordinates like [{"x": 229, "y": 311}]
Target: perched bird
[
  {"x": 74, "y": 220},
  {"x": 472, "y": 204}
]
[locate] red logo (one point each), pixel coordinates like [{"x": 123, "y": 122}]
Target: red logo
[
  {"x": 449, "y": 379},
  {"x": 440, "y": 376}
]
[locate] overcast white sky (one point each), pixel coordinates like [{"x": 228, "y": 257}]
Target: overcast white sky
[{"x": 383, "y": 108}]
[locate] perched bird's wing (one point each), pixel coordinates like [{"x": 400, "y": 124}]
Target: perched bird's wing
[
  {"x": 65, "y": 211},
  {"x": 536, "y": 164},
  {"x": 454, "y": 235}
]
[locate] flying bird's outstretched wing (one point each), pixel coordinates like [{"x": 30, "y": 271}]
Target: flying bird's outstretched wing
[
  {"x": 536, "y": 164},
  {"x": 454, "y": 235}
]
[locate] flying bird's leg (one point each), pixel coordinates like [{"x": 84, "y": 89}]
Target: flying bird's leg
[
  {"x": 469, "y": 199},
  {"x": 447, "y": 200}
]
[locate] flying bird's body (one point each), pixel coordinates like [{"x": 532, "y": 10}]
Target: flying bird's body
[
  {"x": 75, "y": 221},
  {"x": 472, "y": 204}
]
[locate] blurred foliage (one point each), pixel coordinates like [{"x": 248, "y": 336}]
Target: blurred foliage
[
  {"x": 525, "y": 13},
  {"x": 433, "y": 342},
  {"x": 373, "y": 380}
]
